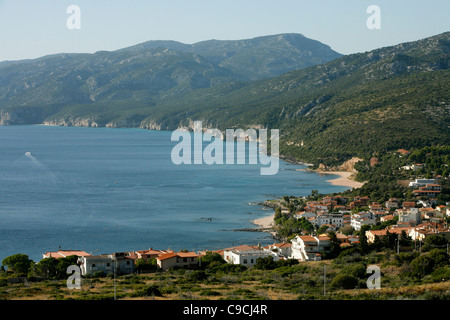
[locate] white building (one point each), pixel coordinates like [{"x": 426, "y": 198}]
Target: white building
[
  {"x": 283, "y": 250},
  {"x": 305, "y": 214},
  {"x": 247, "y": 255},
  {"x": 412, "y": 216},
  {"x": 108, "y": 263},
  {"x": 422, "y": 182},
  {"x": 330, "y": 218},
  {"x": 309, "y": 248},
  {"x": 357, "y": 222}
]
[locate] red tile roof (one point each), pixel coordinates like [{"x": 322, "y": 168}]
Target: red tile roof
[
  {"x": 166, "y": 256},
  {"x": 66, "y": 253}
]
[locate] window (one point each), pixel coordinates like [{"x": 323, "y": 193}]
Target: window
[
  {"x": 128, "y": 262},
  {"x": 251, "y": 261},
  {"x": 184, "y": 259},
  {"x": 93, "y": 265},
  {"x": 108, "y": 264},
  {"x": 245, "y": 261}
]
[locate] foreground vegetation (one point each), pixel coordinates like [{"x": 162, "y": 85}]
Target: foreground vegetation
[{"x": 419, "y": 276}]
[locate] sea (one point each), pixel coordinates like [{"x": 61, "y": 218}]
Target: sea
[{"x": 105, "y": 190}]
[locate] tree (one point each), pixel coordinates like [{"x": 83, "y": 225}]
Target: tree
[
  {"x": 18, "y": 263},
  {"x": 63, "y": 264},
  {"x": 377, "y": 244},
  {"x": 212, "y": 258},
  {"x": 322, "y": 229},
  {"x": 266, "y": 263},
  {"x": 422, "y": 265},
  {"x": 278, "y": 214},
  {"x": 434, "y": 241},
  {"x": 335, "y": 246},
  {"x": 363, "y": 244},
  {"x": 389, "y": 240},
  {"x": 405, "y": 240},
  {"x": 439, "y": 257},
  {"x": 146, "y": 265},
  {"x": 46, "y": 267}
]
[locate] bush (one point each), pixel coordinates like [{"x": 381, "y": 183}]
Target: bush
[
  {"x": 344, "y": 281},
  {"x": 266, "y": 263},
  {"x": 152, "y": 290},
  {"x": 358, "y": 270},
  {"x": 197, "y": 275},
  {"x": 440, "y": 274},
  {"x": 3, "y": 282},
  {"x": 422, "y": 265},
  {"x": 405, "y": 257},
  {"x": 439, "y": 257}
]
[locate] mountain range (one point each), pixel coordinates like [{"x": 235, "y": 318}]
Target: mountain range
[{"x": 328, "y": 107}]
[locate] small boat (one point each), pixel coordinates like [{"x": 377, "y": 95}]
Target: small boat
[{"x": 28, "y": 153}]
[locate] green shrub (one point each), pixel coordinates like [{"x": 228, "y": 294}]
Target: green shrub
[
  {"x": 152, "y": 290},
  {"x": 344, "y": 281},
  {"x": 422, "y": 265},
  {"x": 195, "y": 276}
]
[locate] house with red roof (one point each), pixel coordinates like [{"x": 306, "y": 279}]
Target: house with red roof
[
  {"x": 182, "y": 259},
  {"x": 309, "y": 248},
  {"x": 65, "y": 253}
]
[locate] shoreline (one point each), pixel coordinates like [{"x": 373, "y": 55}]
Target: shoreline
[
  {"x": 266, "y": 224},
  {"x": 343, "y": 179}
]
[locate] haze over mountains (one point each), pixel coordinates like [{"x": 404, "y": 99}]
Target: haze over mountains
[{"x": 339, "y": 106}]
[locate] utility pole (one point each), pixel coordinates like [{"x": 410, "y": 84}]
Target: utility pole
[{"x": 115, "y": 266}]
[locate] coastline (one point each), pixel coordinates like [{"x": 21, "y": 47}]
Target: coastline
[
  {"x": 344, "y": 179},
  {"x": 266, "y": 223}
]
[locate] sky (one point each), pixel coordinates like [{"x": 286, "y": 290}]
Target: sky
[{"x": 34, "y": 28}]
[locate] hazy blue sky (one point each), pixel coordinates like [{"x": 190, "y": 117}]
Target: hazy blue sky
[{"x": 33, "y": 28}]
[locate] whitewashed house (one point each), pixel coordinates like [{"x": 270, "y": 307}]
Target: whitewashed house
[
  {"x": 305, "y": 214},
  {"x": 247, "y": 255},
  {"x": 335, "y": 219},
  {"x": 309, "y": 248},
  {"x": 421, "y": 182},
  {"x": 412, "y": 216},
  {"x": 283, "y": 250},
  {"x": 119, "y": 263},
  {"x": 357, "y": 222}
]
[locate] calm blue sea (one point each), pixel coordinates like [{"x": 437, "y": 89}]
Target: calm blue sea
[{"x": 107, "y": 190}]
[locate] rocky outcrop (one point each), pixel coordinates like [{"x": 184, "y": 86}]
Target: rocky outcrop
[{"x": 72, "y": 122}]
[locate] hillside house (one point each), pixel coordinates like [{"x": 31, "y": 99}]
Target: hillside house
[
  {"x": 309, "y": 248},
  {"x": 181, "y": 259},
  {"x": 283, "y": 249},
  {"x": 371, "y": 234},
  {"x": 120, "y": 263},
  {"x": 247, "y": 255},
  {"x": 65, "y": 253},
  {"x": 421, "y": 182},
  {"x": 335, "y": 219}
]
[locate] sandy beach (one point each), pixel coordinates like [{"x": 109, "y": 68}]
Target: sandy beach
[
  {"x": 266, "y": 223},
  {"x": 343, "y": 179}
]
